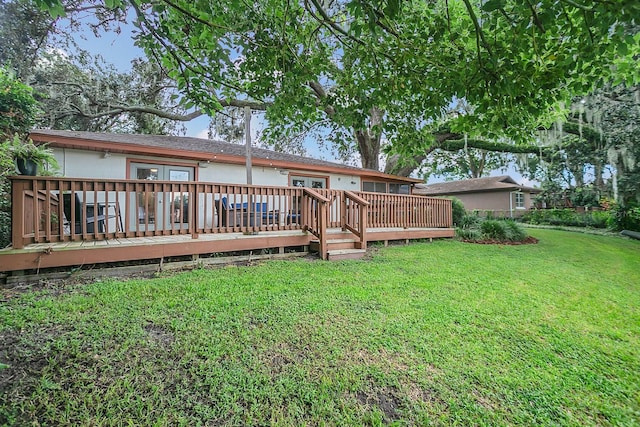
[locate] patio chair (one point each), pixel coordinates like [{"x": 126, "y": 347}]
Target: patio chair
[
  {"x": 293, "y": 218},
  {"x": 260, "y": 210},
  {"x": 78, "y": 211}
]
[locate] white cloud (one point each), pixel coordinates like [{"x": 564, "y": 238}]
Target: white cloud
[{"x": 203, "y": 134}]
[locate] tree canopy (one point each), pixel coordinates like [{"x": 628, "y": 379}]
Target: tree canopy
[
  {"x": 76, "y": 89},
  {"x": 18, "y": 107},
  {"x": 386, "y": 73}
]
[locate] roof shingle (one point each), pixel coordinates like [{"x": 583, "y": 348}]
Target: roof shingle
[
  {"x": 187, "y": 143},
  {"x": 476, "y": 185}
]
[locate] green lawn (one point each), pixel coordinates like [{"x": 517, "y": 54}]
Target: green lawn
[{"x": 432, "y": 333}]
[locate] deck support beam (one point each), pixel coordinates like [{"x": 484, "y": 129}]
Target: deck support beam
[{"x": 90, "y": 253}]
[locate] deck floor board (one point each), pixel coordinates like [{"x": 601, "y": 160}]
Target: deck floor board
[{"x": 79, "y": 252}]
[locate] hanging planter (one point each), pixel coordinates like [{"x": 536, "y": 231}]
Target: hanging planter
[
  {"x": 27, "y": 166},
  {"x": 30, "y": 158}
]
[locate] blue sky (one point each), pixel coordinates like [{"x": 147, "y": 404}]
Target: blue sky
[{"x": 119, "y": 50}]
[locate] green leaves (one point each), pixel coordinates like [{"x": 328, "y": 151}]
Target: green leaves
[
  {"x": 492, "y": 5},
  {"x": 18, "y": 107},
  {"x": 332, "y": 64},
  {"x": 54, "y": 7}
]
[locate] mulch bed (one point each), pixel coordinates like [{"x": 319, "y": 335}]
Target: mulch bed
[{"x": 528, "y": 241}]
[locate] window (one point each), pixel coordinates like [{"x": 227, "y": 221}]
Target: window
[
  {"x": 308, "y": 181},
  {"x": 374, "y": 187},
  {"x": 399, "y": 188},
  {"x": 519, "y": 200},
  {"x": 382, "y": 187}
]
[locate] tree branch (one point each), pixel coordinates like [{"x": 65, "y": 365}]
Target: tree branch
[
  {"x": 115, "y": 110},
  {"x": 476, "y": 24},
  {"x": 332, "y": 25},
  {"x": 321, "y": 95}
]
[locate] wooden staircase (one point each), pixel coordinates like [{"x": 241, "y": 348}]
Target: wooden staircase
[{"x": 340, "y": 247}]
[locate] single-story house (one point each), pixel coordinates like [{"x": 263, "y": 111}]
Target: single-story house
[
  {"x": 178, "y": 158},
  {"x": 132, "y": 197},
  {"x": 500, "y": 195}
]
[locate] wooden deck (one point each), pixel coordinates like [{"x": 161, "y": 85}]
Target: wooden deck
[
  {"x": 58, "y": 222},
  {"x": 40, "y": 256}
]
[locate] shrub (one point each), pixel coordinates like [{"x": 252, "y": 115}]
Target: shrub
[
  {"x": 566, "y": 217},
  {"x": 598, "y": 219},
  {"x": 468, "y": 234},
  {"x": 493, "y": 229},
  {"x": 490, "y": 229},
  {"x": 515, "y": 232},
  {"x": 469, "y": 220},
  {"x": 624, "y": 218},
  {"x": 5, "y": 229},
  {"x": 534, "y": 216},
  {"x": 457, "y": 210}
]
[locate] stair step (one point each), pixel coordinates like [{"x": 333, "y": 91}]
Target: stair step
[
  {"x": 339, "y": 254},
  {"x": 334, "y": 244},
  {"x": 336, "y": 241},
  {"x": 341, "y": 240}
]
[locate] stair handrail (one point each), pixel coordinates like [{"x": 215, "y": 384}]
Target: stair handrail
[
  {"x": 359, "y": 227},
  {"x": 315, "y": 217}
]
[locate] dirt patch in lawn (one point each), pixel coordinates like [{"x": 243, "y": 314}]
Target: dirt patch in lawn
[
  {"x": 23, "y": 357},
  {"x": 384, "y": 399},
  {"x": 159, "y": 335},
  {"x": 528, "y": 241}
]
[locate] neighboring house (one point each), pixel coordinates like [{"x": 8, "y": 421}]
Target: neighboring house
[
  {"x": 175, "y": 158},
  {"x": 500, "y": 195}
]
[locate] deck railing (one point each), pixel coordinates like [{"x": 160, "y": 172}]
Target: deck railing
[
  {"x": 52, "y": 209},
  {"x": 315, "y": 214},
  {"x": 354, "y": 216},
  {"x": 396, "y": 210}
]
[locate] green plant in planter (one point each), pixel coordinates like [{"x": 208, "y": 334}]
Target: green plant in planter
[{"x": 31, "y": 159}]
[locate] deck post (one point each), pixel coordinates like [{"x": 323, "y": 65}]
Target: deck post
[
  {"x": 18, "y": 188},
  {"x": 343, "y": 213},
  {"x": 195, "y": 209},
  {"x": 322, "y": 228},
  {"x": 363, "y": 226}
]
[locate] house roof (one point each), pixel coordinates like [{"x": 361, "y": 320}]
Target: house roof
[
  {"x": 183, "y": 147},
  {"x": 476, "y": 185}
]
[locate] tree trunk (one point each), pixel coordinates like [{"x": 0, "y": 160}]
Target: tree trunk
[
  {"x": 598, "y": 170},
  {"x": 369, "y": 141}
]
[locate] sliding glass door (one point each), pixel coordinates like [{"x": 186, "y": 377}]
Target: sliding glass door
[{"x": 161, "y": 209}]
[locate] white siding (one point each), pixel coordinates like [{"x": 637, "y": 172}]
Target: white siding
[
  {"x": 94, "y": 164},
  {"x": 90, "y": 164},
  {"x": 344, "y": 182}
]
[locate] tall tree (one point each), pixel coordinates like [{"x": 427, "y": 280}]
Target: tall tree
[
  {"x": 83, "y": 93},
  {"x": 463, "y": 164},
  {"x": 26, "y": 31},
  {"x": 605, "y": 143},
  {"x": 18, "y": 109},
  {"x": 366, "y": 69},
  {"x": 77, "y": 90}
]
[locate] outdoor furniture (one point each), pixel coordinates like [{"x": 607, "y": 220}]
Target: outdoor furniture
[
  {"x": 293, "y": 218},
  {"x": 238, "y": 214},
  {"x": 78, "y": 214}
]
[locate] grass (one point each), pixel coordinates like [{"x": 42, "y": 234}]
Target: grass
[{"x": 442, "y": 333}]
